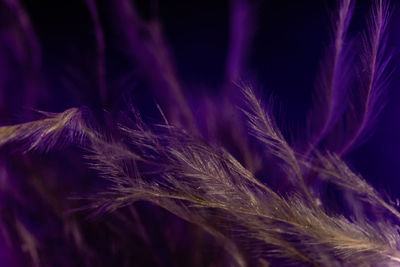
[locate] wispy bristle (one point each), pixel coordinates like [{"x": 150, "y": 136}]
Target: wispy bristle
[
  {"x": 373, "y": 78},
  {"x": 44, "y": 134},
  {"x": 334, "y": 77}
]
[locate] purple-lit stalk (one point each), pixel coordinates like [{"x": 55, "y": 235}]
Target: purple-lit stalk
[
  {"x": 240, "y": 37},
  {"x": 152, "y": 54},
  {"x": 265, "y": 130},
  {"x": 25, "y": 24},
  {"x": 374, "y": 63},
  {"x": 33, "y": 56},
  {"x": 2, "y": 82},
  {"x": 330, "y": 93},
  {"x": 100, "y": 49}
]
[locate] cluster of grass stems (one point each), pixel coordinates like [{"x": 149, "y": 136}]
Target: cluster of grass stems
[{"x": 219, "y": 189}]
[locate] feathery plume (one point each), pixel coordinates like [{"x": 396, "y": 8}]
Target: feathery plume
[
  {"x": 334, "y": 77},
  {"x": 46, "y": 133},
  {"x": 100, "y": 47},
  {"x": 373, "y": 79},
  {"x": 263, "y": 127},
  {"x": 207, "y": 186}
]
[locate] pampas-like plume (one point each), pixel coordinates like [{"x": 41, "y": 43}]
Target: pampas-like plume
[
  {"x": 373, "y": 79},
  {"x": 44, "y": 134},
  {"x": 205, "y": 185},
  {"x": 265, "y": 130},
  {"x": 334, "y": 78}
]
